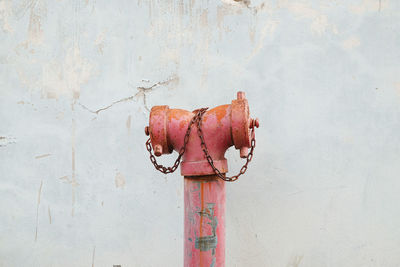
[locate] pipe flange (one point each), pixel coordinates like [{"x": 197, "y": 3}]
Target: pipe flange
[
  {"x": 158, "y": 130},
  {"x": 240, "y": 122}
]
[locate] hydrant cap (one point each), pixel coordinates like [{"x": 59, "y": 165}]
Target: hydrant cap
[
  {"x": 158, "y": 130},
  {"x": 240, "y": 119}
]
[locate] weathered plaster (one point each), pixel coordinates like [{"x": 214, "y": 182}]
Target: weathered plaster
[{"x": 77, "y": 80}]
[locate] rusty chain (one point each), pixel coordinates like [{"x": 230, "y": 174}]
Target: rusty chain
[
  {"x": 198, "y": 118},
  {"x": 162, "y": 168},
  {"x": 209, "y": 158}
]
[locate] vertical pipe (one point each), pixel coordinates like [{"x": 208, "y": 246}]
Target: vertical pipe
[{"x": 204, "y": 238}]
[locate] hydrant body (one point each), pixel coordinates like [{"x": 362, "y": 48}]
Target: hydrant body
[{"x": 221, "y": 128}]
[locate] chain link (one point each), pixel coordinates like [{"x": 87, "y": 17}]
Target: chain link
[
  {"x": 162, "y": 168},
  {"x": 197, "y": 118},
  {"x": 209, "y": 158}
]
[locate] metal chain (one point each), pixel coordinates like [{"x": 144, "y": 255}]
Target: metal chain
[
  {"x": 209, "y": 158},
  {"x": 198, "y": 118},
  {"x": 167, "y": 170}
]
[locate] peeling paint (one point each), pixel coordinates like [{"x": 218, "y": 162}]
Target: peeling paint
[
  {"x": 205, "y": 243},
  {"x": 369, "y": 6},
  {"x": 66, "y": 180},
  {"x": 295, "y": 261},
  {"x": 99, "y": 42},
  {"x": 319, "y": 21},
  {"x": 37, "y": 12},
  {"x": 119, "y": 180},
  {"x": 269, "y": 28},
  {"x": 128, "y": 123},
  {"x": 7, "y": 140},
  {"x": 37, "y": 209},
  {"x": 60, "y": 115},
  {"x": 351, "y": 43},
  {"x": 73, "y": 174},
  {"x": 66, "y": 77},
  {"x": 48, "y": 211},
  {"x": 42, "y": 156},
  {"x": 238, "y": 3},
  {"x": 5, "y": 15},
  {"x": 222, "y": 11}
]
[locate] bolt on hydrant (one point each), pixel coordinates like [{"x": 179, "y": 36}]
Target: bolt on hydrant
[{"x": 201, "y": 138}]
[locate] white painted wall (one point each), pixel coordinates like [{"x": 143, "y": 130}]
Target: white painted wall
[{"x": 77, "y": 187}]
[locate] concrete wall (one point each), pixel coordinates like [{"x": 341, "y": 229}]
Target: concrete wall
[{"x": 77, "y": 79}]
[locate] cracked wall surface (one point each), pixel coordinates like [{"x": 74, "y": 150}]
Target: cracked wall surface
[{"x": 77, "y": 80}]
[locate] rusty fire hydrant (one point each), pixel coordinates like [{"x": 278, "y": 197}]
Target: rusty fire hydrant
[{"x": 201, "y": 138}]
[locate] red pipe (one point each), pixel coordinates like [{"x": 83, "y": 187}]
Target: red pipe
[{"x": 204, "y": 237}]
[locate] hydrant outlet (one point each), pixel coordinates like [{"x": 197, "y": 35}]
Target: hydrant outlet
[
  {"x": 254, "y": 123},
  {"x": 244, "y": 151},
  {"x": 158, "y": 150}
]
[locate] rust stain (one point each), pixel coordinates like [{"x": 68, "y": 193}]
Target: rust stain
[
  {"x": 119, "y": 180},
  {"x": 182, "y": 124},
  {"x": 201, "y": 217},
  {"x": 295, "y": 261},
  {"x": 128, "y": 123},
  {"x": 219, "y": 113},
  {"x": 37, "y": 209},
  {"x": 176, "y": 114},
  {"x": 66, "y": 180},
  {"x": 179, "y": 115},
  {"x": 48, "y": 210},
  {"x": 42, "y": 156}
]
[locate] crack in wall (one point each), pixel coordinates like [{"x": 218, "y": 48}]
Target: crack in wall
[
  {"x": 142, "y": 91},
  {"x": 106, "y": 107}
]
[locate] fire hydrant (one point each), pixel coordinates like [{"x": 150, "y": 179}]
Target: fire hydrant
[{"x": 201, "y": 138}]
